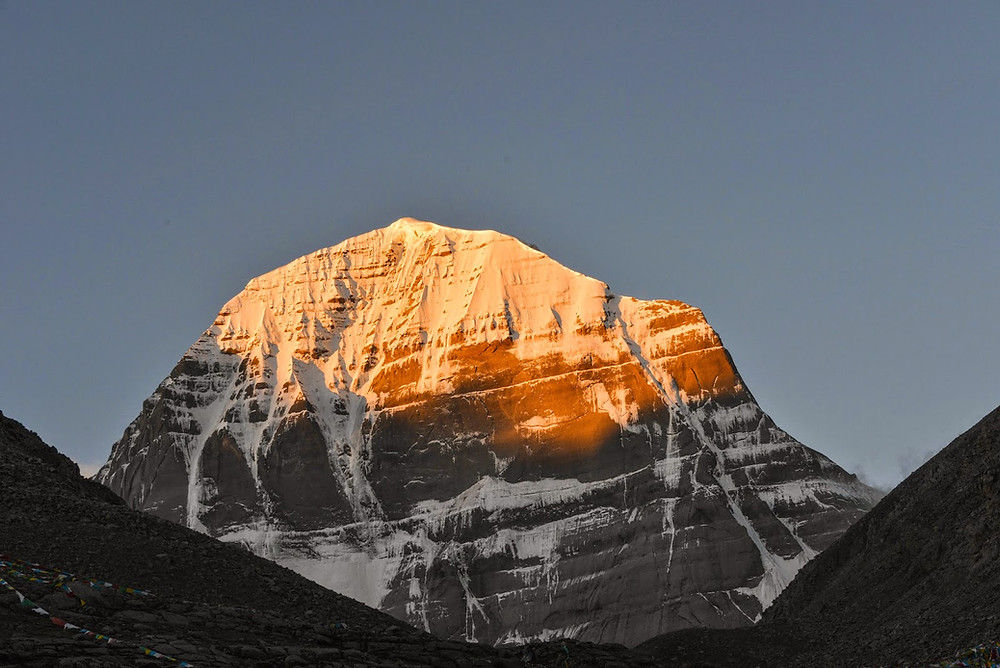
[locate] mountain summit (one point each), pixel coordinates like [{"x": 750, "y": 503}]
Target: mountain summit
[{"x": 453, "y": 427}]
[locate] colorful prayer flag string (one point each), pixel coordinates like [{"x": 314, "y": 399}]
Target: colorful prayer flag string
[
  {"x": 16, "y": 568},
  {"x": 986, "y": 655}
]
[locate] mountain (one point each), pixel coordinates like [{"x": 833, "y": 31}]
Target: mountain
[
  {"x": 452, "y": 427},
  {"x": 911, "y": 583},
  {"x": 211, "y": 600},
  {"x": 87, "y": 565}
]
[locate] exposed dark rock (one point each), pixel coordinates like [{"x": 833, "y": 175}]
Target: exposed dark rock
[
  {"x": 204, "y": 602},
  {"x": 911, "y": 583}
]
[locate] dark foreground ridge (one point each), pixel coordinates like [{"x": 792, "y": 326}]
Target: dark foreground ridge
[
  {"x": 187, "y": 596},
  {"x": 914, "y": 582}
]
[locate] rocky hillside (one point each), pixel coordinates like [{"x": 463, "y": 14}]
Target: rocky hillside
[
  {"x": 912, "y": 583},
  {"x": 454, "y": 428},
  {"x": 914, "y": 578},
  {"x": 181, "y": 594}
]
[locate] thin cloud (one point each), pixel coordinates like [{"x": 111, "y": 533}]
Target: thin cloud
[
  {"x": 881, "y": 486},
  {"x": 911, "y": 460},
  {"x": 89, "y": 469}
]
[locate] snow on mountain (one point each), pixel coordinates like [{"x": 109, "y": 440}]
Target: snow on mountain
[{"x": 453, "y": 427}]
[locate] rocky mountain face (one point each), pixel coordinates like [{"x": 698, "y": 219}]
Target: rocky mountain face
[
  {"x": 908, "y": 581},
  {"x": 452, "y": 427},
  {"x": 909, "y": 584},
  {"x": 104, "y": 585}
]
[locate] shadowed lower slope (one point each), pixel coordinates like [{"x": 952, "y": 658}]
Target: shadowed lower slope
[{"x": 207, "y": 604}]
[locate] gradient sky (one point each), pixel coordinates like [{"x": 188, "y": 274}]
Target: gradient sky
[{"x": 822, "y": 179}]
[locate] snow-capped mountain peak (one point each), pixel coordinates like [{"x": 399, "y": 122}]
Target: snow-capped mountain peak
[{"x": 452, "y": 426}]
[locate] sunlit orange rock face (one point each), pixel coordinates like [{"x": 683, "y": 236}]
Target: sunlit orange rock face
[{"x": 453, "y": 427}]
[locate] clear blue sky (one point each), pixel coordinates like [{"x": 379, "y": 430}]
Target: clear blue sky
[{"x": 821, "y": 178}]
